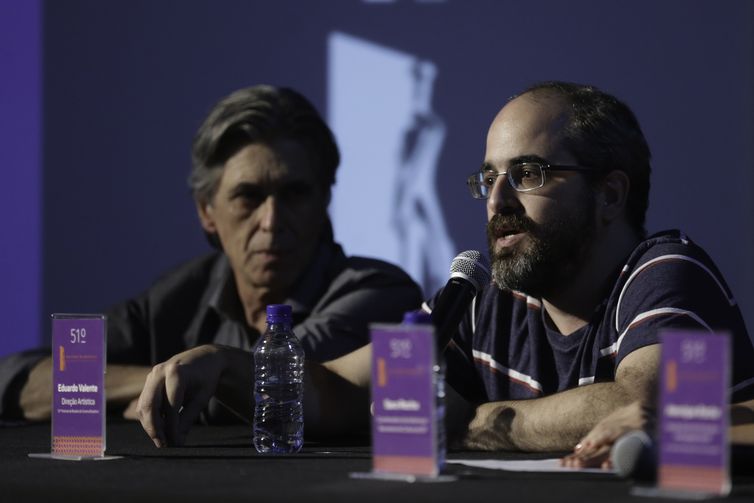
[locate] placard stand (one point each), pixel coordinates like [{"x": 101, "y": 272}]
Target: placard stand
[
  {"x": 78, "y": 388},
  {"x": 404, "y": 405},
  {"x": 694, "y": 416}
]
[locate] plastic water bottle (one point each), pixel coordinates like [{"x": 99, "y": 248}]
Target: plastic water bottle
[
  {"x": 420, "y": 317},
  {"x": 279, "y": 386}
]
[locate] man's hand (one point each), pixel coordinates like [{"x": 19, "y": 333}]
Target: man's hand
[
  {"x": 35, "y": 399},
  {"x": 594, "y": 449},
  {"x": 131, "y": 412},
  {"x": 177, "y": 390}
]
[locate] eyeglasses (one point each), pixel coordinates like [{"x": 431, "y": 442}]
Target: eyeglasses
[{"x": 523, "y": 177}]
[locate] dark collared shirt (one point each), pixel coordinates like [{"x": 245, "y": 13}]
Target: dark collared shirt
[{"x": 333, "y": 304}]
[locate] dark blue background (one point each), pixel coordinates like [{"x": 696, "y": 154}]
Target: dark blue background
[{"x": 103, "y": 208}]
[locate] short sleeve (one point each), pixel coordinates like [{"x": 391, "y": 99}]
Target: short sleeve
[{"x": 680, "y": 288}]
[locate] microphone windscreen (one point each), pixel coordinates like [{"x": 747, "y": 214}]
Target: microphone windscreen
[
  {"x": 472, "y": 266},
  {"x": 632, "y": 454}
]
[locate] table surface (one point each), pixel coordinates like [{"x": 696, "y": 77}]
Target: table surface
[{"x": 220, "y": 464}]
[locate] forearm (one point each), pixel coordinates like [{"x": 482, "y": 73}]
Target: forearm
[
  {"x": 336, "y": 398},
  {"x": 742, "y": 423},
  {"x": 35, "y": 398},
  {"x": 552, "y": 423},
  {"x": 123, "y": 383},
  {"x": 336, "y": 395},
  {"x": 334, "y": 405},
  {"x": 557, "y": 422}
]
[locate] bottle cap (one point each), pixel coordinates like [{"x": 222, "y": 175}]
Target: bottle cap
[
  {"x": 279, "y": 313},
  {"x": 418, "y": 317}
]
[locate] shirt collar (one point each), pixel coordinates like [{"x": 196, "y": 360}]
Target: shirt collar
[{"x": 328, "y": 259}]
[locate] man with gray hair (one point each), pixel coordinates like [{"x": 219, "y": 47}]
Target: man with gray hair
[
  {"x": 569, "y": 329},
  {"x": 264, "y": 162}
]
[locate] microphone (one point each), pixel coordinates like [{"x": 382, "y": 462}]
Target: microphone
[
  {"x": 469, "y": 273},
  {"x": 634, "y": 455}
]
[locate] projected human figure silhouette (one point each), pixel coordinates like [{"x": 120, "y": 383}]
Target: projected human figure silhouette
[{"x": 426, "y": 248}]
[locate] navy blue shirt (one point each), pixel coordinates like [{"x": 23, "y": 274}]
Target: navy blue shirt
[{"x": 504, "y": 348}]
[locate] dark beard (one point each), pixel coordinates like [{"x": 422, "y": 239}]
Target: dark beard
[{"x": 555, "y": 253}]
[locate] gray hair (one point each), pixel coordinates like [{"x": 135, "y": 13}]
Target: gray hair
[{"x": 259, "y": 114}]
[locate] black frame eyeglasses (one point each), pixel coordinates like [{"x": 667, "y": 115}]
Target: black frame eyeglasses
[{"x": 523, "y": 177}]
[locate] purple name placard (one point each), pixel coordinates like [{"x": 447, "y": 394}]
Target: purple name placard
[
  {"x": 694, "y": 413},
  {"x": 78, "y": 385},
  {"x": 404, "y": 426}
]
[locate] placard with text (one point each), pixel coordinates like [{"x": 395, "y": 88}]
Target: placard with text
[
  {"x": 404, "y": 426},
  {"x": 694, "y": 415},
  {"x": 78, "y": 385}
]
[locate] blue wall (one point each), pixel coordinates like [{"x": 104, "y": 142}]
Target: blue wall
[
  {"x": 20, "y": 165},
  {"x": 126, "y": 83}
]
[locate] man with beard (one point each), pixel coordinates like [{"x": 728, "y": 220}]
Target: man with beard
[
  {"x": 569, "y": 330},
  {"x": 566, "y": 179}
]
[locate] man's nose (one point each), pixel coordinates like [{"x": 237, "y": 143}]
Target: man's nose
[
  {"x": 270, "y": 213},
  {"x": 503, "y": 198}
]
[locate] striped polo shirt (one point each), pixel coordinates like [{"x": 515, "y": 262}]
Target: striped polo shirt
[{"x": 504, "y": 350}]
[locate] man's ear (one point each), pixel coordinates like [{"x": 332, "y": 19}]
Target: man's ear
[
  {"x": 613, "y": 195},
  {"x": 205, "y": 211}
]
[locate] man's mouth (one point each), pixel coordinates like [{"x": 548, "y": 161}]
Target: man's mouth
[
  {"x": 508, "y": 238},
  {"x": 269, "y": 254},
  {"x": 504, "y": 232}
]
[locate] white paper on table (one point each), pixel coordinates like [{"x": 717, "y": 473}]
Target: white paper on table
[{"x": 539, "y": 465}]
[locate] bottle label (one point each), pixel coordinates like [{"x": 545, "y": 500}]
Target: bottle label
[{"x": 404, "y": 423}]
